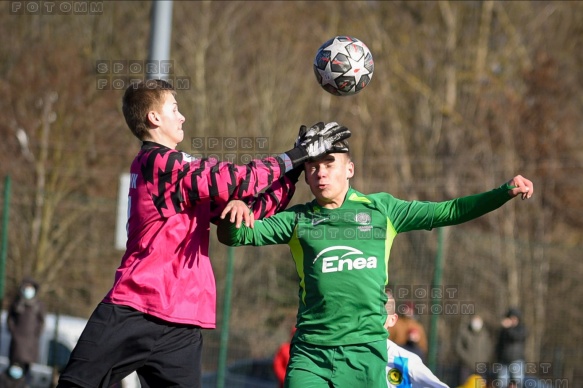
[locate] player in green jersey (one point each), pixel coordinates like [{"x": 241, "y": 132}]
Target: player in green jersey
[{"x": 340, "y": 243}]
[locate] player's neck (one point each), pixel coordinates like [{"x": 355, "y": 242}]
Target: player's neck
[{"x": 333, "y": 203}]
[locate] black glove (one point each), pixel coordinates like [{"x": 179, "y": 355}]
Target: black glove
[
  {"x": 318, "y": 140},
  {"x": 302, "y": 133},
  {"x": 340, "y": 147},
  {"x": 294, "y": 174}
]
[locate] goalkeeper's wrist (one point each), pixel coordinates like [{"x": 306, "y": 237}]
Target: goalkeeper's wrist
[
  {"x": 294, "y": 157},
  {"x": 294, "y": 174}
]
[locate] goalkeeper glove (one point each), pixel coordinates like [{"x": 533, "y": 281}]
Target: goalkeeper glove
[
  {"x": 317, "y": 141},
  {"x": 294, "y": 174}
]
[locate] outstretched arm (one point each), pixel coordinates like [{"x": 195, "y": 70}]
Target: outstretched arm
[
  {"x": 177, "y": 180},
  {"x": 468, "y": 208},
  {"x": 277, "y": 229},
  {"x": 416, "y": 215},
  {"x": 274, "y": 199}
]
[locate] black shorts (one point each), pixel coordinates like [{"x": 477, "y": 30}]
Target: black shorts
[{"x": 118, "y": 340}]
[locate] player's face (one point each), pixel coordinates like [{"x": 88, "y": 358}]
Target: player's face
[
  {"x": 328, "y": 178},
  {"x": 169, "y": 121}
]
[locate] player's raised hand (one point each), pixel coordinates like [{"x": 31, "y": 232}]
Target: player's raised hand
[
  {"x": 240, "y": 213},
  {"x": 521, "y": 186},
  {"x": 339, "y": 147},
  {"x": 320, "y": 138},
  {"x": 302, "y": 134}
]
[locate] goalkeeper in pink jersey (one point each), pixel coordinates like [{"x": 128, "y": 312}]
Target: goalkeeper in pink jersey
[{"x": 164, "y": 289}]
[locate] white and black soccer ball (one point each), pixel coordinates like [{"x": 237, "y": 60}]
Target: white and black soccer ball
[{"x": 343, "y": 66}]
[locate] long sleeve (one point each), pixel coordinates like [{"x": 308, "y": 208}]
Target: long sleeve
[
  {"x": 277, "y": 229},
  {"x": 273, "y": 200},
  {"x": 177, "y": 180},
  {"x": 418, "y": 215}
]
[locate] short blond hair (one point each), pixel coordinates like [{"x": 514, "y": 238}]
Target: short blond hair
[{"x": 139, "y": 99}]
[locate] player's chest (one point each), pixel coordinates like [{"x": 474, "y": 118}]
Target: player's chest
[
  {"x": 342, "y": 225},
  {"x": 355, "y": 238}
]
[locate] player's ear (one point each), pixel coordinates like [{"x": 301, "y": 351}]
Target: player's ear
[
  {"x": 349, "y": 169},
  {"x": 391, "y": 320},
  {"x": 154, "y": 118}
]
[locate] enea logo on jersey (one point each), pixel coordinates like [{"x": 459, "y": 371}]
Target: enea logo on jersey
[{"x": 343, "y": 258}]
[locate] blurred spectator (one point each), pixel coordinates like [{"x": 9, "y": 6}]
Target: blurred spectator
[
  {"x": 510, "y": 349},
  {"x": 25, "y": 321},
  {"x": 13, "y": 377},
  {"x": 473, "y": 345},
  {"x": 399, "y": 333},
  {"x": 281, "y": 359}
]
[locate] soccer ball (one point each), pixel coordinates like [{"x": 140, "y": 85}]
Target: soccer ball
[{"x": 343, "y": 66}]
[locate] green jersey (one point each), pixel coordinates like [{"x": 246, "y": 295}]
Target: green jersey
[{"x": 341, "y": 255}]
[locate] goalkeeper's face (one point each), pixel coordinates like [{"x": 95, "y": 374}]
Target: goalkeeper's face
[
  {"x": 166, "y": 123},
  {"x": 328, "y": 177}
]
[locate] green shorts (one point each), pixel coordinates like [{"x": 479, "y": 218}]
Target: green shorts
[{"x": 353, "y": 366}]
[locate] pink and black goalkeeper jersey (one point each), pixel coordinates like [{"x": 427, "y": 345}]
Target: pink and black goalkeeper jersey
[{"x": 173, "y": 198}]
